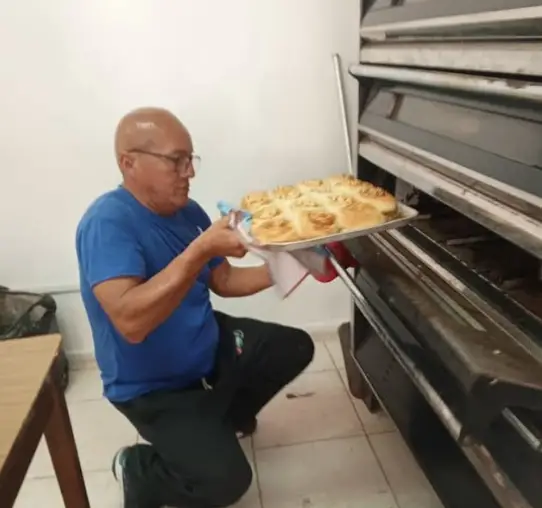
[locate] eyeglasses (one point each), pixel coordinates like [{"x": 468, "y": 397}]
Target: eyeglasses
[{"x": 181, "y": 162}]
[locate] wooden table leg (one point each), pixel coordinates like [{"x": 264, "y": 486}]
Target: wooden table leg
[{"x": 61, "y": 444}]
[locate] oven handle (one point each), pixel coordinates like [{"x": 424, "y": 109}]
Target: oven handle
[{"x": 433, "y": 398}]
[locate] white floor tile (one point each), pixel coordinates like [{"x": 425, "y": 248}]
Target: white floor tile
[
  {"x": 411, "y": 487},
  {"x": 252, "y": 498},
  {"x": 100, "y": 430},
  {"x": 336, "y": 352},
  {"x": 373, "y": 423},
  {"x": 84, "y": 385},
  {"x": 322, "y": 359},
  {"x": 102, "y": 490},
  {"x": 340, "y": 473},
  {"x": 315, "y": 406},
  {"x": 41, "y": 465}
]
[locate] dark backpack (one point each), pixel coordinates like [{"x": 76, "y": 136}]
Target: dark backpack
[{"x": 25, "y": 314}]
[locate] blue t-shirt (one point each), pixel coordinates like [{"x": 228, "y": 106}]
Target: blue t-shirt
[{"x": 119, "y": 237}]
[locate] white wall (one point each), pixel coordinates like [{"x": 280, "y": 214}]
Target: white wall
[{"x": 253, "y": 80}]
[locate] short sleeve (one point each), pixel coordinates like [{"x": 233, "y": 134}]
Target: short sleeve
[
  {"x": 108, "y": 250},
  {"x": 203, "y": 221}
]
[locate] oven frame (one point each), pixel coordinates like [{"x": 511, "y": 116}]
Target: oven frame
[{"x": 384, "y": 376}]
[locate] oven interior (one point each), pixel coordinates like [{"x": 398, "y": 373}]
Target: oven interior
[{"x": 515, "y": 273}]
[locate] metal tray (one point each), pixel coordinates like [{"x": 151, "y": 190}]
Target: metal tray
[{"x": 405, "y": 214}]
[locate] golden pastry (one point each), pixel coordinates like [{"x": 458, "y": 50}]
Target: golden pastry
[
  {"x": 266, "y": 212},
  {"x": 255, "y": 200},
  {"x": 314, "y": 224},
  {"x": 314, "y": 184},
  {"x": 359, "y": 216},
  {"x": 347, "y": 180},
  {"x": 286, "y": 192},
  {"x": 305, "y": 202},
  {"x": 340, "y": 200},
  {"x": 377, "y": 197},
  {"x": 276, "y": 230}
]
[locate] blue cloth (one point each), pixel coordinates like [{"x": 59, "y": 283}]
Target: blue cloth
[
  {"x": 225, "y": 209},
  {"x": 119, "y": 237}
]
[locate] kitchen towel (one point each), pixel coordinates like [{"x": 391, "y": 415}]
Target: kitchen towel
[{"x": 287, "y": 271}]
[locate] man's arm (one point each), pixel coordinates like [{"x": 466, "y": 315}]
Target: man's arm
[
  {"x": 113, "y": 265},
  {"x": 137, "y": 308},
  {"x": 231, "y": 281}
]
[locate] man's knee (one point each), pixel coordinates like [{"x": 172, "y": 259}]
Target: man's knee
[
  {"x": 302, "y": 351},
  {"x": 225, "y": 486}
]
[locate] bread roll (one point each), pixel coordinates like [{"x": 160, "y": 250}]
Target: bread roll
[
  {"x": 306, "y": 202},
  {"x": 316, "y": 223},
  {"x": 377, "y": 197},
  {"x": 286, "y": 192},
  {"x": 267, "y": 212},
  {"x": 317, "y": 186},
  {"x": 255, "y": 200},
  {"x": 276, "y": 230},
  {"x": 317, "y": 208},
  {"x": 358, "y": 216},
  {"x": 340, "y": 200}
]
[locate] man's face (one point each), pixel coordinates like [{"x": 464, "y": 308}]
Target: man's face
[{"x": 163, "y": 171}]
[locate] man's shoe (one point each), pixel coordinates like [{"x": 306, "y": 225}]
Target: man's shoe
[
  {"x": 118, "y": 470},
  {"x": 247, "y": 429}
]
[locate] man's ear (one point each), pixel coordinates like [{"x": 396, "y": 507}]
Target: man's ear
[{"x": 126, "y": 162}]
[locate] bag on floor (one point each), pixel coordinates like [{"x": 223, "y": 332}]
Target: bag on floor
[{"x": 25, "y": 314}]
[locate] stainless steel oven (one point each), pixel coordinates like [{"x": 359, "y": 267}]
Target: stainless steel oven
[{"x": 446, "y": 328}]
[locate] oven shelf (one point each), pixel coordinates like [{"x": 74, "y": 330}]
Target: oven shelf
[{"x": 492, "y": 370}]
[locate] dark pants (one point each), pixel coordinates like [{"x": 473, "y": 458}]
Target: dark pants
[{"x": 194, "y": 459}]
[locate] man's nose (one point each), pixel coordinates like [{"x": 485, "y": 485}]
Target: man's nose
[{"x": 190, "y": 172}]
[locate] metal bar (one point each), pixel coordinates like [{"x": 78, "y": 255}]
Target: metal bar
[
  {"x": 460, "y": 21},
  {"x": 506, "y": 221},
  {"x": 344, "y": 116},
  {"x": 522, "y": 430},
  {"x": 519, "y": 59},
  {"x": 433, "y": 398},
  {"x": 447, "y": 80}
]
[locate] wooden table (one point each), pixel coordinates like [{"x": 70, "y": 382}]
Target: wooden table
[{"x": 32, "y": 404}]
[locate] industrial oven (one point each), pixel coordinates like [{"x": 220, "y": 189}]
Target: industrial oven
[{"x": 446, "y": 327}]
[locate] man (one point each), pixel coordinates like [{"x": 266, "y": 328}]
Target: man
[{"x": 188, "y": 378}]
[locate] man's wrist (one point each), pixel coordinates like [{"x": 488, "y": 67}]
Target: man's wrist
[{"x": 200, "y": 250}]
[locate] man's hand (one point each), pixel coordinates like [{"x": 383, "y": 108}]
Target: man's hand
[{"x": 219, "y": 240}]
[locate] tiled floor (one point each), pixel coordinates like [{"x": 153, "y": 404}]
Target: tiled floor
[{"x": 316, "y": 448}]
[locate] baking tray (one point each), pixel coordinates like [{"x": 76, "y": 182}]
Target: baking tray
[{"x": 405, "y": 215}]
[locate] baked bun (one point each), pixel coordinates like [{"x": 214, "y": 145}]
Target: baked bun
[
  {"x": 286, "y": 192},
  {"x": 345, "y": 180},
  {"x": 267, "y": 212},
  {"x": 315, "y": 186},
  {"x": 255, "y": 200},
  {"x": 305, "y": 202},
  {"x": 340, "y": 200},
  {"x": 359, "y": 215},
  {"x": 316, "y": 209},
  {"x": 276, "y": 230},
  {"x": 377, "y": 197},
  {"x": 316, "y": 223}
]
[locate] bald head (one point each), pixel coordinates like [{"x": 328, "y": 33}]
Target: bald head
[
  {"x": 145, "y": 128},
  {"x": 154, "y": 153}
]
